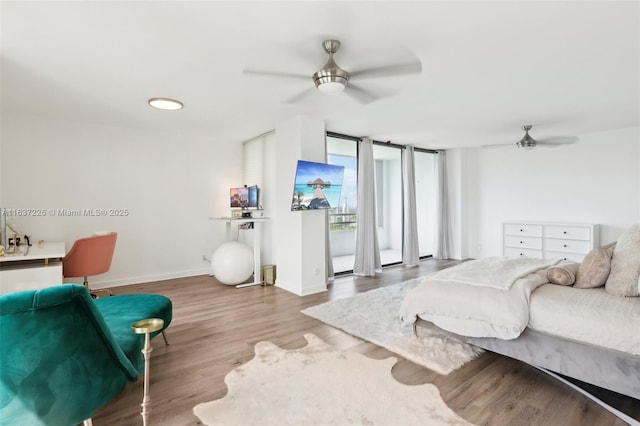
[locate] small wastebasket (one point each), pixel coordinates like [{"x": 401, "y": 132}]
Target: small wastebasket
[{"x": 269, "y": 274}]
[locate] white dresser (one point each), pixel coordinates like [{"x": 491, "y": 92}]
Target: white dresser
[{"x": 549, "y": 240}]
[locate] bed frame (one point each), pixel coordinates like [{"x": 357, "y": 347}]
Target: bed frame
[{"x": 606, "y": 368}]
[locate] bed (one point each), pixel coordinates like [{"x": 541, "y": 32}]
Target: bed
[{"x": 508, "y": 306}]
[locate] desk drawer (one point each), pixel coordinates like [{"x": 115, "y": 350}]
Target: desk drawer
[
  {"x": 523, "y": 242},
  {"x": 522, "y": 229},
  {"x": 568, "y": 232}
]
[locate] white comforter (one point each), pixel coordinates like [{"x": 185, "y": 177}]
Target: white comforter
[
  {"x": 474, "y": 310},
  {"x": 496, "y": 272},
  {"x": 587, "y": 315}
]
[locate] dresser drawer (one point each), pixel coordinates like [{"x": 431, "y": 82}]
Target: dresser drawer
[
  {"x": 513, "y": 251},
  {"x": 523, "y": 242},
  {"x": 568, "y": 232},
  {"x": 523, "y": 229},
  {"x": 567, "y": 246},
  {"x": 576, "y": 257}
]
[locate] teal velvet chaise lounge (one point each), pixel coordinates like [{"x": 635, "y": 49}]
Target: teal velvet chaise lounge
[{"x": 63, "y": 355}]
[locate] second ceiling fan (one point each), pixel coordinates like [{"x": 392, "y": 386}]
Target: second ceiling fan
[
  {"x": 527, "y": 142},
  {"x": 331, "y": 78}
]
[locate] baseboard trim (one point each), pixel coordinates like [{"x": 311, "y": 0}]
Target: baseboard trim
[
  {"x": 304, "y": 291},
  {"x": 147, "y": 278}
]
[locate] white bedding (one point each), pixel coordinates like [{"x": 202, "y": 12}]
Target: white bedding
[
  {"x": 469, "y": 310},
  {"x": 587, "y": 315},
  {"x": 495, "y": 272}
]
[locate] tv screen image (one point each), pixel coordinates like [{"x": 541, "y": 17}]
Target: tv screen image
[
  {"x": 239, "y": 197},
  {"x": 317, "y": 186}
]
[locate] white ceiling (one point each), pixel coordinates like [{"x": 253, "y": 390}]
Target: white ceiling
[{"x": 567, "y": 67}]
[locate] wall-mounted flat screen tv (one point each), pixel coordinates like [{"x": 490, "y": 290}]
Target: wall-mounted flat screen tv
[
  {"x": 239, "y": 197},
  {"x": 317, "y": 186}
]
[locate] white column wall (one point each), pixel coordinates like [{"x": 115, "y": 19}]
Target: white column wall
[{"x": 299, "y": 242}]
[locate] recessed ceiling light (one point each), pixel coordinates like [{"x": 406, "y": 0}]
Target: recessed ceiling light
[{"x": 165, "y": 104}]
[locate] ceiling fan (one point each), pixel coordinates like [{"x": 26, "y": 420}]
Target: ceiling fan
[
  {"x": 527, "y": 142},
  {"x": 332, "y": 79}
]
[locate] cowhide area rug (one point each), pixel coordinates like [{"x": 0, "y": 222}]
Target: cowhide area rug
[{"x": 320, "y": 385}]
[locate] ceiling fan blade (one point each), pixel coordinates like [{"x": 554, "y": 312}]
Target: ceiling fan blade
[
  {"x": 300, "y": 96},
  {"x": 554, "y": 142},
  {"x": 359, "y": 94},
  {"x": 498, "y": 146},
  {"x": 278, "y": 74},
  {"x": 389, "y": 70}
]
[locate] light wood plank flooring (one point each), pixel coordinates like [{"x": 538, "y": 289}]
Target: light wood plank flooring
[{"x": 215, "y": 328}]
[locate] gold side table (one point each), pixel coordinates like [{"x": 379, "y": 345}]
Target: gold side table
[{"x": 146, "y": 326}]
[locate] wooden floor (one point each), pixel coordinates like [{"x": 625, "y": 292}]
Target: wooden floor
[{"x": 215, "y": 328}]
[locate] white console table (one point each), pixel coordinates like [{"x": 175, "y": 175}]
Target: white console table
[
  {"x": 37, "y": 268},
  {"x": 257, "y": 241}
]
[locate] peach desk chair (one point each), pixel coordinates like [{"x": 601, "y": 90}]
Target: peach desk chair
[{"x": 90, "y": 256}]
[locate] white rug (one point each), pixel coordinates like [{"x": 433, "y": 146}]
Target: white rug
[
  {"x": 373, "y": 316},
  {"x": 319, "y": 385}
]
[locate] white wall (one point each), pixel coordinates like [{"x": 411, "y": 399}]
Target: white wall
[
  {"x": 258, "y": 171},
  {"x": 595, "y": 180},
  {"x": 425, "y": 200},
  {"x": 170, "y": 183}
]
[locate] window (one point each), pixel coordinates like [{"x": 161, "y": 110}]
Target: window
[
  {"x": 425, "y": 173},
  {"x": 343, "y": 150},
  {"x": 342, "y": 218},
  {"x": 388, "y": 164}
]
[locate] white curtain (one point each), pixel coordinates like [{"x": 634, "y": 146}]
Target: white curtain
[
  {"x": 442, "y": 245},
  {"x": 410, "y": 249},
  {"x": 367, "y": 260}
]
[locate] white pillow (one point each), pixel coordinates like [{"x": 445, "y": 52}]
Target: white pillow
[{"x": 625, "y": 264}]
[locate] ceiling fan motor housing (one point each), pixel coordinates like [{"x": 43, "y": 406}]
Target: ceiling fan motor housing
[
  {"x": 527, "y": 142},
  {"x": 331, "y": 78}
]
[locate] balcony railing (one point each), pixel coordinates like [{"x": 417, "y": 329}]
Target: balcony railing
[{"x": 342, "y": 221}]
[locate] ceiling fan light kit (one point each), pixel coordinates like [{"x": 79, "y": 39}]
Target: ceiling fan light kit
[{"x": 331, "y": 78}]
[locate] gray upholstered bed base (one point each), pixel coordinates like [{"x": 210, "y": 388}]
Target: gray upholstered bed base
[{"x": 606, "y": 368}]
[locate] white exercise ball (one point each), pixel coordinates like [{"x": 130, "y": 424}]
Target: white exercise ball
[{"x": 232, "y": 263}]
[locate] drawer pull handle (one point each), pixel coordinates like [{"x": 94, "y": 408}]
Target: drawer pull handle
[
  {"x": 521, "y": 242},
  {"x": 565, "y": 258},
  {"x": 564, "y": 232},
  {"x": 522, "y": 230},
  {"x": 521, "y": 254},
  {"x": 564, "y": 245}
]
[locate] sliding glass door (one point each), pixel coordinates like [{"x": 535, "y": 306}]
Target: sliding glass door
[
  {"x": 388, "y": 173},
  {"x": 343, "y": 151},
  {"x": 342, "y": 219}
]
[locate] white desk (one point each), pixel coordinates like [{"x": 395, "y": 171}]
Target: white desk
[
  {"x": 257, "y": 241},
  {"x": 37, "y": 268}
]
